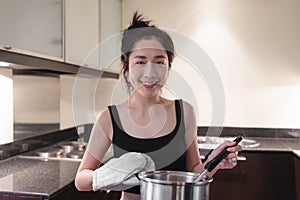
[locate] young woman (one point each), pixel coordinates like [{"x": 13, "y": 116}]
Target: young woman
[{"x": 148, "y": 123}]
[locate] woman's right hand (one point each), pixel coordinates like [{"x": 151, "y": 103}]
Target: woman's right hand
[{"x": 230, "y": 161}]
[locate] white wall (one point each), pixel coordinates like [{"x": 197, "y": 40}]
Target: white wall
[
  {"x": 6, "y": 106},
  {"x": 82, "y": 98},
  {"x": 82, "y": 104},
  {"x": 36, "y": 99},
  {"x": 254, "y": 46}
]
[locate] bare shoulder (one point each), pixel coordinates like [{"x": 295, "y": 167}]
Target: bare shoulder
[
  {"x": 189, "y": 117},
  {"x": 187, "y": 108},
  {"x": 104, "y": 121},
  {"x": 103, "y": 116}
]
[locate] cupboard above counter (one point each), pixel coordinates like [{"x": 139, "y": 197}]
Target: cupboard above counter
[
  {"x": 79, "y": 30},
  {"x": 35, "y": 64},
  {"x": 92, "y": 32},
  {"x": 32, "y": 25}
]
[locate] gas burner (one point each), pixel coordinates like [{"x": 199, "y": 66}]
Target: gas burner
[
  {"x": 49, "y": 152},
  {"x": 66, "y": 150},
  {"x": 75, "y": 154},
  {"x": 69, "y": 146}
]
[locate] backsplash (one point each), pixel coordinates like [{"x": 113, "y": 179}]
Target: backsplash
[
  {"x": 29, "y": 130},
  {"x": 32, "y": 143},
  {"x": 25, "y": 145}
]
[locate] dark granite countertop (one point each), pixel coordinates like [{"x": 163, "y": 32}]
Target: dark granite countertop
[
  {"x": 45, "y": 178},
  {"x": 266, "y": 144},
  {"x": 35, "y": 177},
  {"x": 276, "y": 144}
]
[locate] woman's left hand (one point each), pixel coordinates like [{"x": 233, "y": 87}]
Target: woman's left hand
[{"x": 230, "y": 161}]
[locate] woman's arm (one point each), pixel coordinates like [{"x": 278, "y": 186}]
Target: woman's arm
[
  {"x": 99, "y": 142},
  {"x": 84, "y": 176},
  {"x": 192, "y": 154},
  {"x": 194, "y": 163}
]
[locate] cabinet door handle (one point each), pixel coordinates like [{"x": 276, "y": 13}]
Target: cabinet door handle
[{"x": 7, "y": 47}]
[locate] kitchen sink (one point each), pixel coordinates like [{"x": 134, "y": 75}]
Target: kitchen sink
[{"x": 210, "y": 142}]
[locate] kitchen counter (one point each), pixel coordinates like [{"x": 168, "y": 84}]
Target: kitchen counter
[
  {"x": 276, "y": 145},
  {"x": 19, "y": 176},
  {"x": 264, "y": 144},
  {"x": 297, "y": 153}
]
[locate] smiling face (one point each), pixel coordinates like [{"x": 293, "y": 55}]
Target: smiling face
[{"x": 148, "y": 67}]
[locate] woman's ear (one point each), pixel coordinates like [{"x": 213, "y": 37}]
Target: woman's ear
[{"x": 125, "y": 68}]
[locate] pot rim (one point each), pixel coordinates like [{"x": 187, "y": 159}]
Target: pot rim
[{"x": 144, "y": 176}]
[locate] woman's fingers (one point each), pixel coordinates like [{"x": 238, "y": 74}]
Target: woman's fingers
[
  {"x": 234, "y": 149},
  {"x": 230, "y": 148},
  {"x": 230, "y": 161}
]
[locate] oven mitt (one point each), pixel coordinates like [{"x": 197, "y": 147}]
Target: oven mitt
[
  {"x": 120, "y": 173},
  {"x": 148, "y": 167}
]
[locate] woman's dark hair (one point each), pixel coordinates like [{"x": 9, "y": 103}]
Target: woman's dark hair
[{"x": 141, "y": 29}]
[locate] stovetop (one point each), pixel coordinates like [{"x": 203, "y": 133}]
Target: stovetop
[{"x": 66, "y": 150}]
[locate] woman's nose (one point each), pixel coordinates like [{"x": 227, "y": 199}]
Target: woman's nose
[{"x": 149, "y": 70}]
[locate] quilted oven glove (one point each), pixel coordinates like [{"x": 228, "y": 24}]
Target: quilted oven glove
[{"x": 120, "y": 173}]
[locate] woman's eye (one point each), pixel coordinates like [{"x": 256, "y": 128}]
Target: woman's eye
[
  {"x": 160, "y": 62},
  {"x": 140, "y": 62}
]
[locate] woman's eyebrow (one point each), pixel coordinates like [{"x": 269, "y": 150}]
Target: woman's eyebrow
[
  {"x": 144, "y": 57},
  {"x": 160, "y": 56}
]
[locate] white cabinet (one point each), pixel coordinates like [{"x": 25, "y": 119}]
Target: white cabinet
[
  {"x": 32, "y": 25},
  {"x": 91, "y": 32},
  {"x": 110, "y": 19},
  {"x": 110, "y": 35},
  {"x": 73, "y": 32},
  {"x": 81, "y": 31}
]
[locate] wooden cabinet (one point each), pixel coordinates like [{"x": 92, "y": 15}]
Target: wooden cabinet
[
  {"x": 33, "y": 26},
  {"x": 71, "y": 193},
  {"x": 67, "y": 193},
  {"x": 19, "y": 197},
  {"x": 297, "y": 176},
  {"x": 263, "y": 176}
]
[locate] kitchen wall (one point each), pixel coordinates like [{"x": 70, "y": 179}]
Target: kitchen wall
[
  {"x": 37, "y": 104},
  {"x": 65, "y": 100},
  {"x": 36, "y": 99},
  {"x": 253, "y": 45},
  {"x": 82, "y": 98}
]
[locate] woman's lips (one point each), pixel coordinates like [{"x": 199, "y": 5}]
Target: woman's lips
[{"x": 149, "y": 85}]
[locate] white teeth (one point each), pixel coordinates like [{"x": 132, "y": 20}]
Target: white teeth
[{"x": 148, "y": 83}]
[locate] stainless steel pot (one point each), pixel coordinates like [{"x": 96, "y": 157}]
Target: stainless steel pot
[{"x": 173, "y": 185}]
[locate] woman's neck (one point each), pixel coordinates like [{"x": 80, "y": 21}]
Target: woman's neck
[{"x": 141, "y": 102}]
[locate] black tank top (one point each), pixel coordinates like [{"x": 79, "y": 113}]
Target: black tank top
[{"x": 167, "y": 152}]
